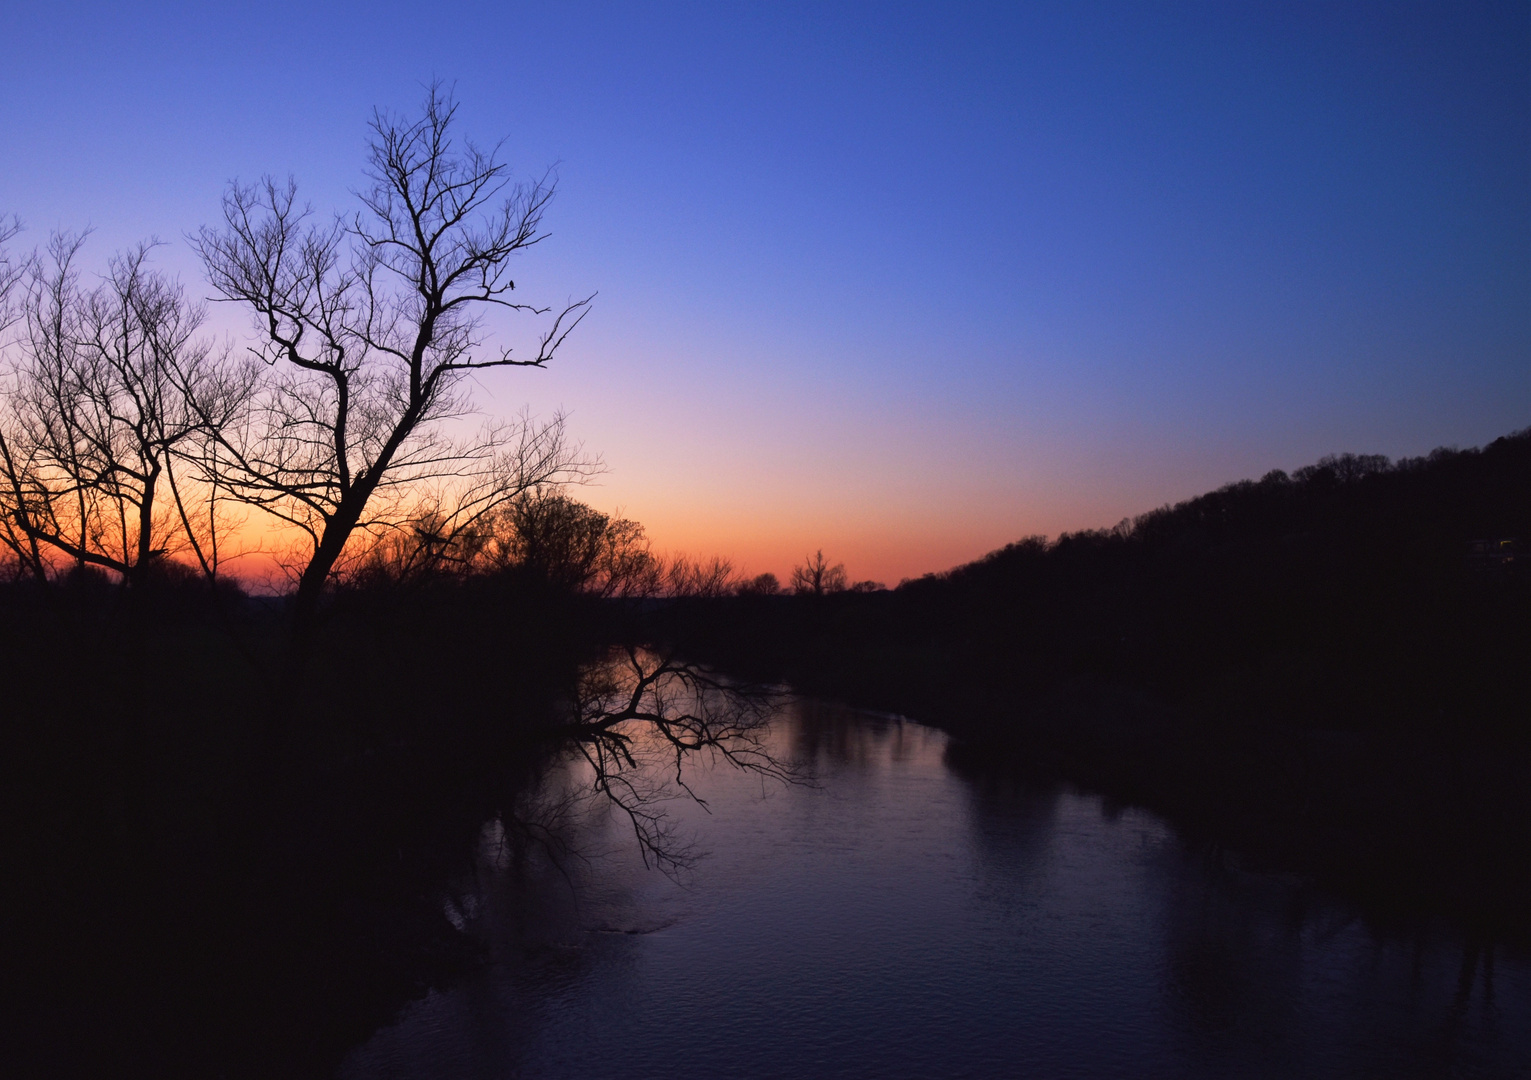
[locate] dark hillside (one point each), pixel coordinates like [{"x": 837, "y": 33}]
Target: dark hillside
[{"x": 1328, "y": 668}]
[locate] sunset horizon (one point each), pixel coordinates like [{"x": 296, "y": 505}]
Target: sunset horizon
[{"x": 963, "y": 281}]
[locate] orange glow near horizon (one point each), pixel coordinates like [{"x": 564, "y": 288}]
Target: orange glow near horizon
[
  {"x": 903, "y": 289},
  {"x": 767, "y": 521},
  {"x": 874, "y": 548}
]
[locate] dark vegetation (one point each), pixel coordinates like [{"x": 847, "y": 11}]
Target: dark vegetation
[
  {"x": 184, "y": 896},
  {"x": 1326, "y": 671},
  {"x": 220, "y": 861}
]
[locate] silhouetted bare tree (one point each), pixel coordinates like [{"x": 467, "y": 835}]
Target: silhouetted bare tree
[
  {"x": 21, "y": 542},
  {"x": 114, "y": 399},
  {"x": 816, "y": 577},
  {"x": 12, "y": 270},
  {"x": 374, "y": 321}
]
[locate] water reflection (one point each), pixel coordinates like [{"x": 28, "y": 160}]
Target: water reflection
[{"x": 904, "y": 917}]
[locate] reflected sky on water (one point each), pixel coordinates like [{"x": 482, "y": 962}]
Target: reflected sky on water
[{"x": 899, "y": 918}]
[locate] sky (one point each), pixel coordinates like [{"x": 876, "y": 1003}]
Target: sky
[{"x": 902, "y": 283}]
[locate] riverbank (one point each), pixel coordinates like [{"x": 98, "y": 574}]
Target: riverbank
[{"x": 1325, "y": 671}]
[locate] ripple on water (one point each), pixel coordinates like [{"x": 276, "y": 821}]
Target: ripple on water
[{"x": 900, "y": 919}]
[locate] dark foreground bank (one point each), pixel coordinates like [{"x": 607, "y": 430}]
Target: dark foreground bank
[
  {"x": 215, "y": 864},
  {"x": 1327, "y": 670}
]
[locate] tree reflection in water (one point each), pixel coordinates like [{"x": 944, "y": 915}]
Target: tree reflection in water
[
  {"x": 179, "y": 904},
  {"x": 914, "y": 914}
]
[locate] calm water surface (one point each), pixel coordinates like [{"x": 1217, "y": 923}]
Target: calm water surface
[{"x": 904, "y": 919}]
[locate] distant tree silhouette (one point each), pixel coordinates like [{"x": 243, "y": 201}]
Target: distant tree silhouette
[
  {"x": 685, "y": 577},
  {"x": 572, "y": 546},
  {"x": 761, "y": 585},
  {"x": 816, "y": 577},
  {"x": 373, "y": 322}
]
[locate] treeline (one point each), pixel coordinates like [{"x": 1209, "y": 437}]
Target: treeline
[{"x": 1326, "y": 668}]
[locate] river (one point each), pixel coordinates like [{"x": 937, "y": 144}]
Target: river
[{"x": 901, "y": 917}]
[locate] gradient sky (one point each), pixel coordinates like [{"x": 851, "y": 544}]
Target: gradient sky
[{"x": 901, "y": 282}]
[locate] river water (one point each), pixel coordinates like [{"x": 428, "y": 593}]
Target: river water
[{"x": 900, "y": 917}]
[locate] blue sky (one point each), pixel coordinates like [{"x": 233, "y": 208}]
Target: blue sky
[{"x": 904, "y": 282}]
